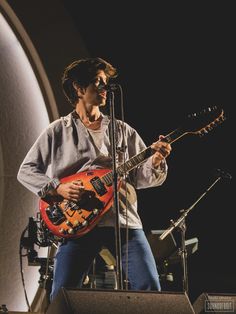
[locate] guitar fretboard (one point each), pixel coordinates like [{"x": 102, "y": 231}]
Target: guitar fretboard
[{"x": 174, "y": 136}]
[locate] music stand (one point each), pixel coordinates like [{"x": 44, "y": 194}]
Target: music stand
[
  {"x": 191, "y": 246},
  {"x": 180, "y": 224},
  {"x": 161, "y": 249}
]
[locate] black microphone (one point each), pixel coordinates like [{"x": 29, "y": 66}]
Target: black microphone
[
  {"x": 108, "y": 87},
  {"x": 223, "y": 174}
]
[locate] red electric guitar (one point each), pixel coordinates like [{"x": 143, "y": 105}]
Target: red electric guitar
[{"x": 66, "y": 219}]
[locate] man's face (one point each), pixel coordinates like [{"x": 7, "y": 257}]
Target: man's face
[{"x": 95, "y": 94}]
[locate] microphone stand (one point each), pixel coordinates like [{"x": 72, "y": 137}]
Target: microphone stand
[
  {"x": 181, "y": 225},
  {"x": 110, "y": 94}
]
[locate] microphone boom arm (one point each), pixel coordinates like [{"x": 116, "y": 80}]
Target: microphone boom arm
[
  {"x": 181, "y": 224},
  {"x": 185, "y": 212}
]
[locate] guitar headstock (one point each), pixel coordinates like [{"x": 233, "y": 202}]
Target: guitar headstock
[{"x": 204, "y": 121}]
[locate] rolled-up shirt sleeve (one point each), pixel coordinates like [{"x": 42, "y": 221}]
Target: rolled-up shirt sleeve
[
  {"x": 148, "y": 176},
  {"x": 145, "y": 175}
]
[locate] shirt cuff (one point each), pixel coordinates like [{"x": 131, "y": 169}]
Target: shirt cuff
[
  {"x": 162, "y": 168},
  {"x": 51, "y": 185}
]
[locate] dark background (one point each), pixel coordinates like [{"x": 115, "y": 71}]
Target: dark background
[{"x": 173, "y": 60}]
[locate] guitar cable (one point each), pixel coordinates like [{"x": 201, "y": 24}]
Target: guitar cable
[
  {"x": 21, "y": 267},
  {"x": 37, "y": 234}
]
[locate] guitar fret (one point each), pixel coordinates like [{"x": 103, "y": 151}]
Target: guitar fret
[
  {"x": 121, "y": 170},
  {"x": 134, "y": 161},
  {"x": 129, "y": 163}
]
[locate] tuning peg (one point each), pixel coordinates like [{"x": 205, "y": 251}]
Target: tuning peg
[
  {"x": 191, "y": 115},
  {"x": 202, "y": 132},
  {"x": 222, "y": 119},
  {"x": 218, "y": 122},
  {"x": 209, "y": 128},
  {"x": 213, "y": 108}
]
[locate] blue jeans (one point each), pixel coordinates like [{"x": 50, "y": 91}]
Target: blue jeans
[{"x": 74, "y": 258}]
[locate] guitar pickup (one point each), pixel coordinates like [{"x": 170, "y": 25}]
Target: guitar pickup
[
  {"x": 55, "y": 214},
  {"x": 98, "y": 186}
]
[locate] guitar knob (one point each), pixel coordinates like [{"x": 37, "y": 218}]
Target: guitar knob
[
  {"x": 68, "y": 223},
  {"x": 84, "y": 223},
  {"x": 71, "y": 231},
  {"x": 75, "y": 223},
  {"x": 61, "y": 230},
  {"x": 95, "y": 211}
]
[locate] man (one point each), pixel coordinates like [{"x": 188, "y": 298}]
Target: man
[{"x": 82, "y": 141}]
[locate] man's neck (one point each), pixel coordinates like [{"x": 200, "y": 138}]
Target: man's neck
[{"x": 89, "y": 115}]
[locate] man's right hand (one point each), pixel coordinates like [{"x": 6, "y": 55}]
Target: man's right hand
[{"x": 72, "y": 191}]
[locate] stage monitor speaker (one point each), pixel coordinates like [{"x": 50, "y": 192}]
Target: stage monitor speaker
[
  {"x": 91, "y": 301},
  {"x": 215, "y": 303}
]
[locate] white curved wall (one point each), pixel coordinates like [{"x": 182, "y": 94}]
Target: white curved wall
[
  {"x": 23, "y": 115},
  {"x": 29, "y": 98}
]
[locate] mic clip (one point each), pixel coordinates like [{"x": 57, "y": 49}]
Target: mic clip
[
  {"x": 223, "y": 174},
  {"x": 108, "y": 87}
]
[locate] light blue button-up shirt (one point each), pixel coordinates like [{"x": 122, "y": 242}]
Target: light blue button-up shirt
[{"x": 67, "y": 147}]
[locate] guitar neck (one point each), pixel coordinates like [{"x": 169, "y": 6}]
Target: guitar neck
[
  {"x": 174, "y": 136},
  {"x": 142, "y": 156}
]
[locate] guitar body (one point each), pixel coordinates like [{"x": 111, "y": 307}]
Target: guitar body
[{"x": 74, "y": 219}]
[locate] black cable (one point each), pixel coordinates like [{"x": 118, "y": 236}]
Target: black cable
[
  {"x": 38, "y": 235},
  {"x": 21, "y": 268}
]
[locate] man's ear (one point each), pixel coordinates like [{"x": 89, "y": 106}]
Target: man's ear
[
  {"x": 80, "y": 90},
  {"x": 75, "y": 85}
]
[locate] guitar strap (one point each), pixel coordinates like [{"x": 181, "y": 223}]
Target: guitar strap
[
  {"x": 120, "y": 142},
  {"x": 116, "y": 133}
]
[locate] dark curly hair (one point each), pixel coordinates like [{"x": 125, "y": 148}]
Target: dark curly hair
[{"x": 83, "y": 72}]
